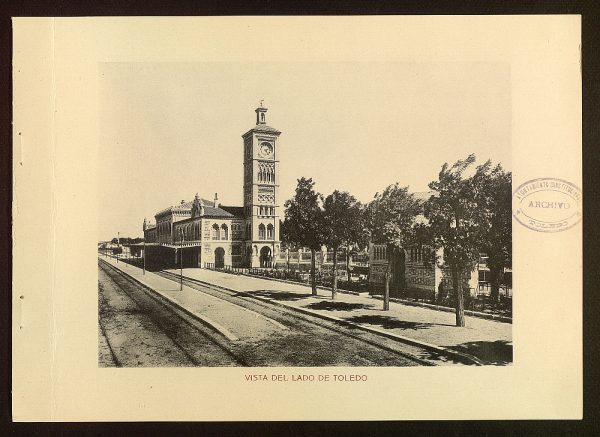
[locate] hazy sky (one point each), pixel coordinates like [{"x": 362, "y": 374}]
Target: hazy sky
[{"x": 169, "y": 130}]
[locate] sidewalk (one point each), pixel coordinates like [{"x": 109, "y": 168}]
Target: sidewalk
[{"x": 488, "y": 340}]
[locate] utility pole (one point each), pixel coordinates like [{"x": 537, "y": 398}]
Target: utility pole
[
  {"x": 181, "y": 262},
  {"x": 118, "y": 245}
]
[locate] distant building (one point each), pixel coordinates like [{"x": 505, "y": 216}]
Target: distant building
[
  {"x": 419, "y": 272},
  {"x": 416, "y": 274},
  {"x": 206, "y": 232}
]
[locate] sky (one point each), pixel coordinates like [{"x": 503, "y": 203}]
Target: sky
[{"x": 171, "y": 130}]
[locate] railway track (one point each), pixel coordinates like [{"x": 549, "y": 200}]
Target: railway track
[
  {"x": 190, "y": 336},
  {"x": 250, "y": 302},
  {"x": 300, "y": 340}
]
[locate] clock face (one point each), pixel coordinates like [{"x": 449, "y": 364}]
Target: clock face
[{"x": 266, "y": 149}]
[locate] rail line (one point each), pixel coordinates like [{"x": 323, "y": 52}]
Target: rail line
[
  {"x": 247, "y": 299},
  {"x": 148, "y": 293},
  {"x": 286, "y": 319}
]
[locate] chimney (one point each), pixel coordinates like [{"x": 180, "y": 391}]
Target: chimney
[{"x": 215, "y": 204}]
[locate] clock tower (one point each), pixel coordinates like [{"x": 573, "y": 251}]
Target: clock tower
[{"x": 262, "y": 209}]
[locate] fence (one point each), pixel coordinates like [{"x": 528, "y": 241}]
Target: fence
[
  {"x": 322, "y": 279},
  {"x": 485, "y": 289}
]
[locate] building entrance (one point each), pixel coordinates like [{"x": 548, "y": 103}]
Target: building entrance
[
  {"x": 265, "y": 257},
  {"x": 219, "y": 258}
]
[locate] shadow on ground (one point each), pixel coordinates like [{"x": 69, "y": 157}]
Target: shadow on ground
[
  {"x": 447, "y": 358},
  {"x": 279, "y": 295},
  {"x": 388, "y": 322},
  {"x": 499, "y": 352},
  {"x": 337, "y": 306}
]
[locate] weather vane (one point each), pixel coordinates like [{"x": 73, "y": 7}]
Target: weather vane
[{"x": 261, "y": 103}]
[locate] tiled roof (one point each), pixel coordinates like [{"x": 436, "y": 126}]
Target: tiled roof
[
  {"x": 210, "y": 211},
  {"x": 263, "y": 128},
  {"x": 186, "y": 206},
  {"x": 237, "y": 211},
  {"x": 183, "y": 206}
]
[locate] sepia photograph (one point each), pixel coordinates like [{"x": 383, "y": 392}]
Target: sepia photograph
[{"x": 245, "y": 223}]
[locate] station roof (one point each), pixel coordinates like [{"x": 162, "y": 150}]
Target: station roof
[
  {"x": 211, "y": 211},
  {"x": 209, "y": 208},
  {"x": 183, "y": 206},
  {"x": 237, "y": 211}
]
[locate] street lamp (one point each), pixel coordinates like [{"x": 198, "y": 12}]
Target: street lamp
[{"x": 181, "y": 262}]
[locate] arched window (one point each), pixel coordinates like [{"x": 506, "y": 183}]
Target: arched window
[
  {"x": 261, "y": 232},
  {"x": 224, "y": 232},
  {"x": 215, "y": 232},
  {"x": 270, "y": 232}
]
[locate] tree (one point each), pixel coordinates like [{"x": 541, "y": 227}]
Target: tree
[
  {"x": 341, "y": 225},
  {"x": 390, "y": 220},
  {"x": 303, "y": 222},
  {"x": 454, "y": 225},
  {"x": 492, "y": 188}
]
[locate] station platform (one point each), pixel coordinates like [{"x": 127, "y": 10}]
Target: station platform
[{"x": 488, "y": 340}]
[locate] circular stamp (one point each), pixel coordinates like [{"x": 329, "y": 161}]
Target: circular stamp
[{"x": 547, "y": 205}]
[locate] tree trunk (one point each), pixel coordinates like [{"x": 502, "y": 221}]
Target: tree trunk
[
  {"x": 348, "y": 265},
  {"x": 460, "y": 300},
  {"x": 313, "y": 279},
  {"x": 334, "y": 281},
  {"x": 386, "y": 294},
  {"x": 495, "y": 284}
]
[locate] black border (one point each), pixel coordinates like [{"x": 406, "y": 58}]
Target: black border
[{"x": 591, "y": 187}]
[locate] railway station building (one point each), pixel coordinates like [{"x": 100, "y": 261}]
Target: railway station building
[{"x": 205, "y": 232}]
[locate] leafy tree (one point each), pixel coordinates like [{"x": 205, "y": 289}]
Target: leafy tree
[
  {"x": 492, "y": 189},
  {"x": 454, "y": 224},
  {"x": 390, "y": 220},
  {"x": 342, "y": 225},
  {"x": 303, "y": 222}
]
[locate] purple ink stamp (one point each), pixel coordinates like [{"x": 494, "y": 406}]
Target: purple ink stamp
[{"x": 547, "y": 205}]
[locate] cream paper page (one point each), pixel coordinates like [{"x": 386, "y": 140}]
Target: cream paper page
[{"x": 57, "y": 146}]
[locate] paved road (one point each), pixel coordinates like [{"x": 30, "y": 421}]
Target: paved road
[{"x": 139, "y": 329}]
